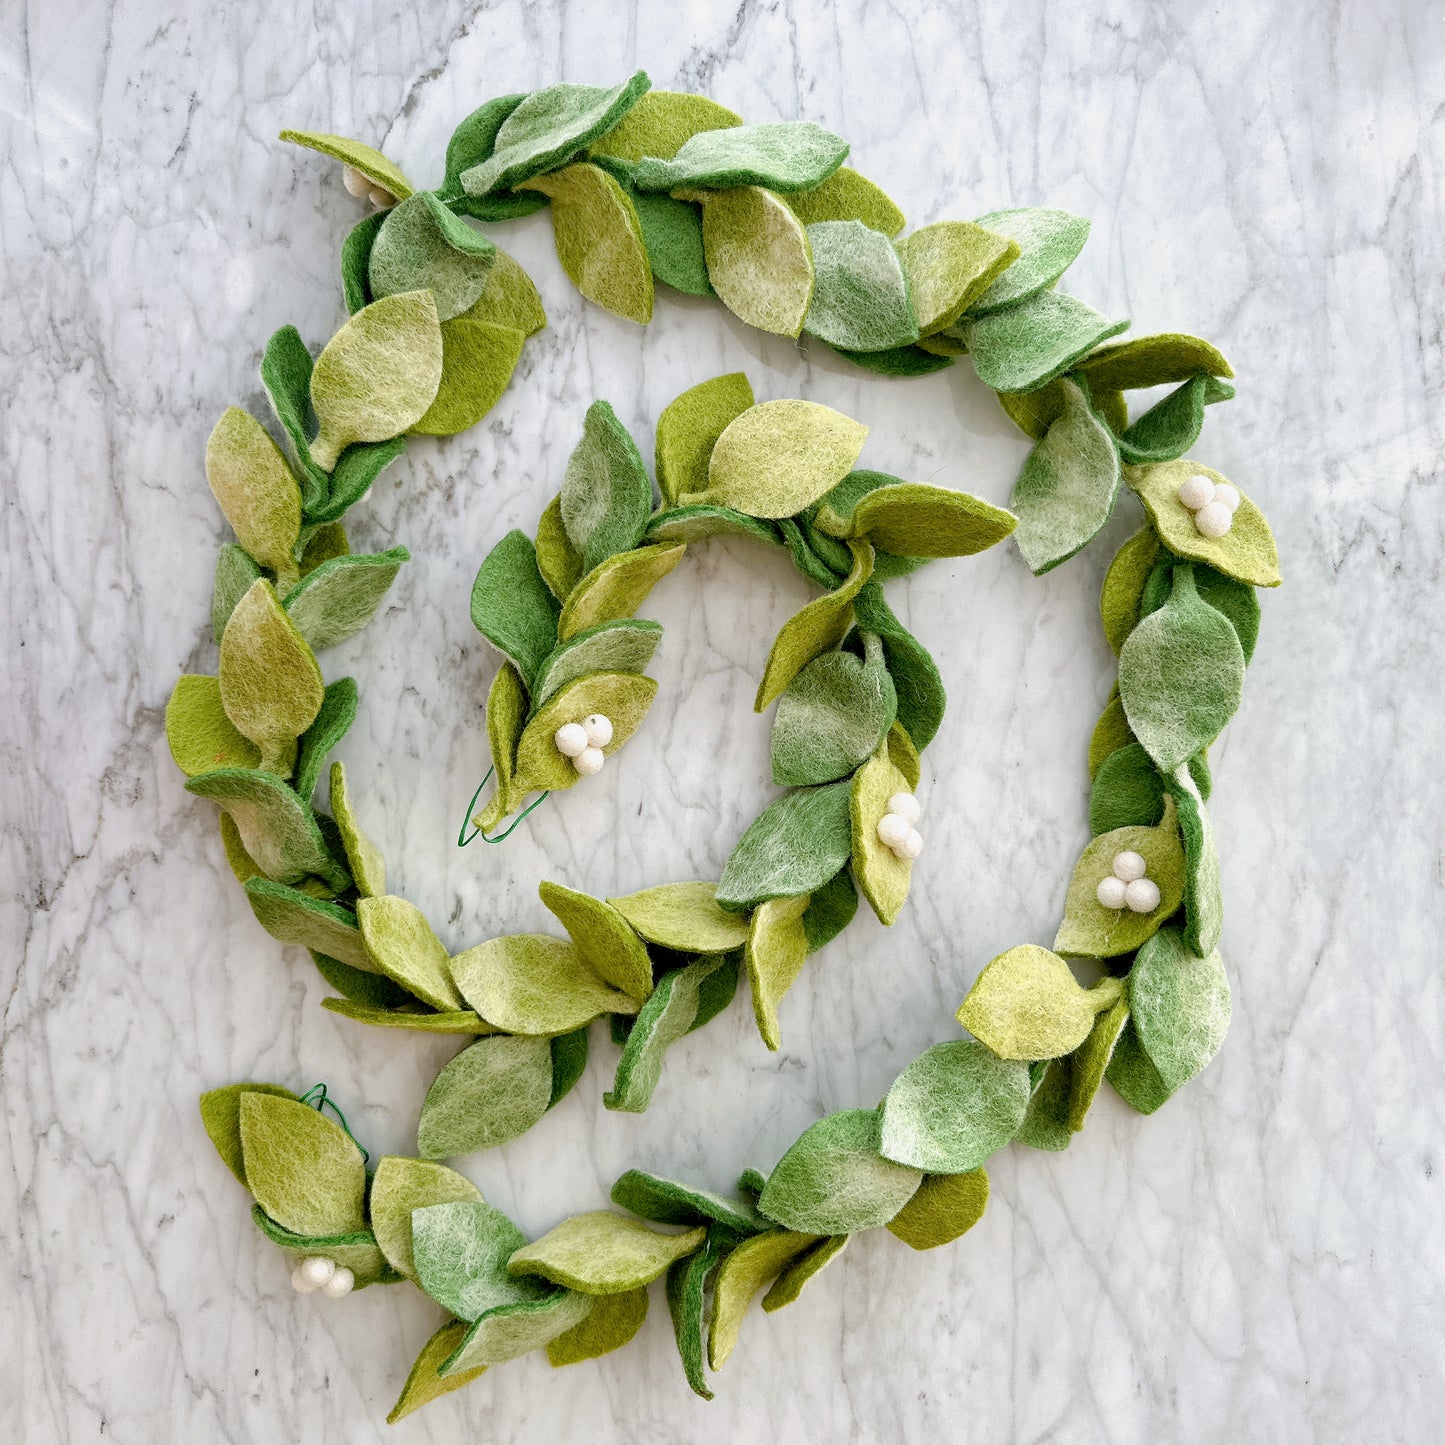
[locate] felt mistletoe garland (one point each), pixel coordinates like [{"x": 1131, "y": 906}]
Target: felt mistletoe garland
[{"x": 650, "y": 185}]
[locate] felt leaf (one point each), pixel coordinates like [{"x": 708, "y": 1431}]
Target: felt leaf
[
  {"x": 286, "y": 373},
  {"x": 914, "y": 519},
  {"x": 1172, "y": 425},
  {"x": 660, "y": 123},
  {"x": 235, "y": 572},
  {"x": 1066, "y": 490},
  {"x": 356, "y": 261},
  {"x": 882, "y": 875},
  {"x": 301, "y": 1168},
  {"x": 776, "y": 951},
  {"x": 617, "y": 588},
  {"x": 603, "y": 1253},
  {"x": 1247, "y": 551},
  {"x": 478, "y": 359},
  {"x": 1236, "y": 600},
  {"x": 506, "y": 717},
  {"x": 834, "y": 1180},
  {"x": 557, "y": 559},
  {"x": 916, "y": 679},
  {"x": 361, "y": 990},
  {"x": 1034, "y": 412},
  {"x": 794, "y": 1275},
  {"x": 625, "y": 645},
  {"x": 1090, "y": 930},
  {"x": 509, "y": 1331},
  {"x": 510, "y": 300},
  {"x": 548, "y": 128},
  {"x": 666, "y": 1202},
  {"x": 460, "y": 1249},
  {"x": 622, "y": 697},
  {"x": 1144, "y": 361},
  {"x": 355, "y": 1250},
  {"x": 1027, "y": 1004},
  {"x": 291, "y": 916},
  {"x": 860, "y": 293},
  {"x": 688, "y": 429},
  {"x": 1026, "y": 346},
  {"x": 512, "y": 606},
  {"x": 1048, "y": 242},
  {"x": 1124, "y": 585},
  {"x": 953, "y": 1106},
  {"x": 743, "y": 1273},
  {"x": 270, "y": 683},
  {"x": 609, "y": 1325},
  {"x": 363, "y": 858},
  {"x": 673, "y": 239},
  {"x": 687, "y": 1304},
  {"x": 378, "y": 375},
  {"x": 424, "y": 1383},
  {"x": 338, "y": 598},
  {"x": 788, "y": 156},
  {"x": 847, "y": 196},
  {"x": 696, "y": 524},
  {"x": 1133, "y": 1074},
  {"x": 530, "y": 983},
  {"x": 831, "y": 717},
  {"x": 792, "y": 847},
  {"x": 422, "y": 246},
  {"x": 201, "y": 736},
  {"x": 569, "y": 1061},
  {"x": 758, "y": 257},
  {"x": 910, "y": 360},
  {"x": 401, "y": 944},
  {"x": 1111, "y": 733},
  {"x": 599, "y": 239},
  {"x": 491, "y": 1092},
  {"x": 401, "y": 1185},
  {"x": 1179, "y": 1004},
  {"x": 716, "y": 990},
  {"x": 256, "y": 491},
  {"x": 221, "y": 1116},
  {"x": 806, "y": 557},
  {"x": 449, "y": 1021},
  {"x": 475, "y": 139},
  {"x": 338, "y": 711},
  {"x": 945, "y": 1207},
  {"x": 683, "y": 916},
  {"x": 325, "y": 543},
  {"x": 1089, "y": 1064},
  {"x": 1203, "y": 906},
  {"x": 779, "y": 456},
  {"x": 1181, "y": 674},
  {"x": 666, "y": 1016},
  {"x": 949, "y": 266},
  {"x": 604, "y": 937},
  {"x": 1127, "y": 791},
  {"x": 356, "y": 154},
  {"x": 904, "y": 756},
  {"x": 352, "y": 476},
  {"x": 830, "y": 910},
  {"x": 606, "y": 495}
]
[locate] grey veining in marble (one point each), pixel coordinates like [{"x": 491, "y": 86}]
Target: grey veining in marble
[{"x": 1261, "y": 1261}]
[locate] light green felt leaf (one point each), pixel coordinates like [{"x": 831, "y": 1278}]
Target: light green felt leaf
[
  {"x": 506, "y": 717},
  {"x": 355, "y": 1251},
  {"x": 1179, "y": 1004},
  {"x": 914, "y": 519},
  {"x": 201, "y": 736},
  {"x": 660, "y": 123},
  {"x": 949, "y": 266},
  {"x": 236, "y": 570},
  {"x": 953, "y": 1106},
  {"x": 666, "y": 1202},
  {"x": 1027, "y": 1004},
  {"x": 401, "y": 945},
  {"x": 603, "y": 1253},
  {"x": 776, "y": 950},
  {"x": 451, "y": 1021},
  {"x": 291, "y": 916},
  {"x": 424, "y": 1382},
  {"x": 622, "y": 697},
  {"x": 338, "y": 598},
  {"x": 1151, "y": 361},
  {"x": 1203, "y": 906},
  {"x": 512, "y": 606},
  {"x": 688, "y": 429},
  {"x": 625, "y": 645},
  {"x": 530, "y": 983},
  {"x": 256, "y": 491},
  {"x": 758, "y": 257},
  {"x": 1088, "y": 1066},
  {"x": 491, "y": 1092},
  {"x": 1026, "y": 346},
  {"x": 301, "y": 1168},
  {"x": 1066, "y": 490},
  {"x": 1048, "y": 242},
  {"x": 617, "y": 588},
  {"x": 478, "y": 359},
  {"x": 604, "y": 937},
  {"x": 792, "y": 847},
  {"x": 378, "y": 375},
  {"x": 221, "y": 1116},
  {"x": 743, "y": 1273},
  {"x": 847, "y": 196},
  {"x": 882, "y": 875},
  {"x": 510, "y": 299},
  {"x": 1134, "y": 1076},
  {"x": 666, "y": 1016},
  {"x": 401, "y": 1185},
  {"x": 831, "y": 717},
  {"x": 557, "y": 559},
  {"x": 683, "y": 916},
  {"x": 788, "y": 156},
  {"x": 860, "y": 293},
  {"x": 1237, "y": 600},
  {"x": 696, "y": 524},
  {"x": 1124, "y": 585},
  {"x": 606, "y": 494},
  {"x": 460, "y": 1249},
  {"x": 422, "y": 246},
  {"x": 609, "y": 1325},
  {"x": 509, "y": 1331},
  {"x": 356, "y": 154},
  {"x": 363, "y": 857},
  {"x": 944, "y": 1207}
]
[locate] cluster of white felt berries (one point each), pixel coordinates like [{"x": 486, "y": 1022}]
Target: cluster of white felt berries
[
  {"x": 316, "y": 1272},
  {"x": 583, "y": 743},
  {"x": 359, "y": 186},
  {"x": 1213, "y": 504},
  {"x": 1128, "y": 886},
  {"x": 897, "y": 828}
]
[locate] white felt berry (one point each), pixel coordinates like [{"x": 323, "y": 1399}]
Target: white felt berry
[
  {"x": 589, "y": 761},
  {"x": 313, "y": 1272},
  {"x": 1195, "y": 492},
  {"x": 906, "y": 806},
  {"x": 1213, "y": 519},
  {"x": 340, "y": 1284},
  {"x": 1227, "y": 495},
  {"x": 354, "y": 181},
  {"x": 1142, "y": 895},
  {"x": 598, "y": 729},
  {"x": 1129, "y": 866},
  {"x": 910, "y": 847},
  {"x": 893, "y": 828},
  {"x": 382, "y": 198},
  {"x": 1110, "y": 892},
  {"x": 572, "y": 740}
]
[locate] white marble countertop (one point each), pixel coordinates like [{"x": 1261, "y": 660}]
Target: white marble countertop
[{"x": 1262, "y": 1260}]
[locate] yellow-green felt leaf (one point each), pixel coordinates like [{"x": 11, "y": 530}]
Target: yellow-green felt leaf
[
  {"x": 603, "y": 1253},
  {"x": 660, "y": 123},
  {"x": 506, "y": 717},
  {"x": 685, "y": 917},
  {"x": 743, "y": 1273},
  {"x": 510, "y": 300},
  {"x": 621, "y": 697},
  {"x": 1027, "y": 1004},
  {"x": 847, "y": 196},
  {"x": 558, "y": 560},
  {"x": 604, "y": 936},
  {"x": 1124, "y": 585},
  {"x": 777, "y": 949},
  {"x": 424, "y": 1383},
  {"x": 609, "y": 1325},
  {"x": 200, "y": 735},
  {"x": 914, "y": 519},
  {"x": 478, "y": 359},
  {"x": 1151, "y": 361},
  {"x": 402, "y": 1184},
  {"x": 531, "y": 983},
  {"x": 221, "y": 1116},
  {"x": 1111, "y": 733},
  {"x": 758, "y": 257},
  {"x": 688, "y": 429},
  {"x": 883, "y": 876},
  {"x": 1034, "y": 412},
  {"x": 300, "y": 1167},
  {"x": 356, "y": 154},
  {"x": 363, "y": 857},
  {"x": 789, "y": 1284},
  {"x": 403, "y": 947},
  {"x": 256, "y": 490},
  {"x": 949, "y": 265},
  {"x": 945, "y": 1206},
  {"x": 616, "y": 587}
]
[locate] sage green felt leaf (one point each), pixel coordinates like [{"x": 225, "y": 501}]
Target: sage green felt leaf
[
  {"x": 450, "y": 1021},
  {"x": 270, "y": 683},
  {"x": 378, "y": 375},
  {"x": 683, "y": 916},
  {"x": 860, "y": 293},
  {"x": 509, "y": 1331},
  {"x": 609, "y": 1325},
  {"x": 424, "y": 1382},
  {"x": 949, "y": 266},
  {"x": 688, "y": 429},
  {"x": 401, "y": 1185},
  {"x": 510, "y": 300},
  {"x": 599, "y": 239},
  {"x": 758, "y": 257},
  {"x": 460, "y": 1249},
  {"x": 953, "y": 1106},
  {"x": 617, "y": 588},
  {"x": 1236, "y": 600},
  {"x": 1027, "y": 1004},
  {"x": 913, "y": 519},
  {"x": 666, "y": 1202},
  {"x": 530, "y": 983},
  {"x": 301, "y": 1168},
  {"x": 1046, "y": 1121},
  {"x": 401, "y": 944},
  {"x": 291, "y": 916},
  {"x": 916, "y": 679},
  {"x": 1247, "y": 551},
  {"x": 356, "y": 154},
  {"x": 834, "y": 1180},
  {"x": 1181, "y": 674},
  {"x": 1088, "y": 1066},
  {"x": 1124, "y": 582},
  {"x": 776, "y": 950},
  {"x": 221, "y": 1116},
  {"x": 847, "y": 196},
  {"x": 625, "y": 645},
  {"x": 1066, "y": 490},
  {"x": 356, "y": 261},
  {"x": 1026, "y": 346},
  {"x": 660, "y": 123},
  {"x": 606, "y": 494},
  {"x": 338, "y": 712},
  {"x": 491, "y": 1092},
  {"x": 1203, "y": 906},
  {"x": 780, "y": 456},
  {"x": 235, "y": 572},
  {"x": 338, "y": 598},
  {"x": 1172, "y": 425},
  {"x": 1144, "y": 361},
  {"x": 1111, "y": 733},
  {"x": 788, "y": 156},
  {"x": 696, "y": 524},
  {"x": 622, "y": 697},
  {"x": 603, "y": 1253},
  {"x": 604, "y": 937},
  {"x": 792, "y": 847},
  {"x": 557, "y": 559},
  {"x": 666, "y": 1016},
  {"x": 256, "y": 491},
  {"x": 832, "y": 716},
  {"x": 1034, "y": 412},
  {"x": 478, "y": 359},
  {"x": 1179, "y": 1004},
  {"x": 548, "y": 128},
  {"x": 944, "y": 1207},
  {"x": 355, "y": 1251},
  {"x": 422, "y": 246},
  {"x": 512, "y": 606},
  {"x": 882, "y": 875},
  {"x": 687, "y": 1304},
  {"x": 744, "y": 1271},
  {"x": 1134, "y": 1076},
  {"x": 1048, "y": 242},
  {"x": 475, "y": 139},
  {"x": 363, "y": 858},
  {"x": 506, "y": 716},
  {"x": 911, "y": 360},
  {"x": 1090, "y": 930},
  {"x": 201, "y": 736},
  {"x": 672, "y": 237}
]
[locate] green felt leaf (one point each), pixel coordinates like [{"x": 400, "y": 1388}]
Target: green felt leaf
[
  {"x": 401, "y": 944},
  {"x": 625, "y": 645},
  {"x": 673, "y": 239},
  {"x": 796, "y": 1274},
  {"x": 422, "y": 246},
  {"x": 606, "y": 494},
  {"x": 830, "y": 910},
  {"x": 557, "y": 559},
  {"x": 1066, "y": 490},
  {"x": 1203, "y": 906},
  {"x": 683, "y": 916},
  {"x": 1179, "y": 1004},
  {"x": 512, "y": 606},
  {"x": 604, "y": 937},
  {"x": 235, "y": 572},
  {"x": 510, "y": 299},
  {"x": 460, "y": 1249},
  {"x": 530, "y": 983},
  {"x": 666, "y": 1202},
  {"x": 949, "y": 266},
  {"x": 808, "y": 557},
  {"x": 916, "y": 679},
  {"x": 744, "y": 1271},
  {"x": 660, "y": 123},
  {"x": 1172, "y": 425},
  {"x": 603, "y": 1253},
  {"x": 301, "y": 1168},
  {"x": 478, "y": 359},
  {"x": 338, "y": 598},
  {"x": 758, "y": 257},
  {"x": 1236, "y": 600},
  {"x": 475, "y": 139},
  {"x": 201, "y": 736},
  {"x": 506, "y": 717},
  {"x": 904, "y": 756},
  {"x": 256, "y": 491},
  {"x": 847, "y": 196},
  {"x": 491, "y": 1092},
  {"x": 363, "y": 858},
  {"x": 860, "y": 295},
  {"x": 944, "y": 1207},
  {"x": 424, "y": 1382},
  {"x": 338, "y": 711},
  {"x": 1034, "y": 412},
  {"x": 509, "y": 1331},
  {"x": 221, "y": 1116},
  {"x": 356, "y": 261},
  {"x": 1088, "y": 1066},
  {"x": 291, "y": 916},
  {"x": 832, "y": 716},
  {"x": 792, "y": 847},
  {"x": 953, "y": 1106},
  {"x": 882, "y": 875},
  {"x": 449, "y": 1021},
  {"x": 569, "y": 1062},
  {"x": 352, "y": 476},
  {"x": 716, "y": 991},
  {"x": 617, "y": 588},
  {"x": 1111, "y": 733},
  {"x": 898, "y": 360},
  {"x": 688, "y": 429},
  {"x": 1127, "y": 791},
  {"x": 789, "y": 156},
  {"x": 1026, "y": 346},
  {"x": 1134, "y": 1076},
  {"x": 356, "y": 154},
  {"x": 1027, "y": 1004},
  {"x": 776, "y": 950},
  {"x": 696, "y": 524},
  {"x": 1144, "y": 361},
  {"x": 286, "y": 373},
  {"x": 363, "y": 993},
  {"x": 610, "y": 1324},
  {"x": 401, "y": 1185},
  {"x": 687, "y": 1281},
  {"x": 1048, "y": 242},
  {"x": 1124, "y": 582},
  {"x": 355, "y": 1251},
  {"x": 913, "y": 519},
  {"x": 622, "y": 697},
  {"x": 666, "y": 1016}
]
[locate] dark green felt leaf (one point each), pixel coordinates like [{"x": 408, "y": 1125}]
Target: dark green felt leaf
[
  {"x": 295, "y": 917},
  {"x": 665, "y": 1202},
  {"x": 286, "y": 373},
  {"x": 1237, "y": 600},
  {"x": 341, "y": 596},
  {"x": 898, "y": 360},
  {"x": 830, "y": 910},
  {"x": 832, "y": 716},
  {"x": 351, "y": 478},
  {"x": 1203, "y": 903},
  {"x": 1171, "y": 426},
  {"x": 512, "y": 606},
  {"x": 475, "y": 139},
  {"x": 358, "y": 986},
  {"x": 1133, "y": 1074},
  {"x": 687, "y": 1303},
  {"x": 569, "y": 1059},
  {"x": 338, "y": 712},
  {"x": 916, "y": 679},
  {"x": 792, "y": 847},
  {"x": 672, "y": 234},
  {"x": 717, "y": 991},
  {"x": 356, "y": 261},
  {"x": 606, "y": 494}
]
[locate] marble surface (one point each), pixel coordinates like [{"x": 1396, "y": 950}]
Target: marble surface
[{"x": 1260, "y": 1261}]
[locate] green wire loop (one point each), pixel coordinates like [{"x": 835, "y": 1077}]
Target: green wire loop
[
  {"x": 318, "y": 1096},
  {"x": 463, "y": 840}
]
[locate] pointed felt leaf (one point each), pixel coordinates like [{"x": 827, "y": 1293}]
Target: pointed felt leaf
[
  {"x": 612, "y": 1321},
  {"x": 796, "y": 1274},
  {"x": 236, "y": 570},
  {"x": 1027, "y": 1004},
  {"x": 687, "y": 1281},
  {"x": 356, "y": 154},
  {"x": 882, "y": 875},
  {"x": 423, "y": 247},
  {"x": 368, "y": 868},
  {"x": 1203, "y": 906},
  {"x": 286, "y": 373},
  {"x": 1026, "y": 346},
  {"x": 606, "y": 939},
  {"x": 401, "y": 1185},
  {"x": 789, "y": 156},
  {"x": 509, "y": 1331},
  {"x": 744, "y": 1272},
  {"x": 221, "y": 1116},
  {"x": 510, "y": 300},
  {"x": 557, "y": 559},
  {"x": 673, "y": 238},
  {"x": 451, "y": 1021},
  {"x": 256, "y": 491},
  {"x": 295, "y": 917},
  {"x": 1087, "y": 1067},
  {"x": 1134, "y": 1076},
  {"x": 913, "y": 519},
  {"x": 758, "y": 257},
  {"x": 688, "y": 429},
  {"x": 475, "y": 139},
  {"x": 831, "y": 717},
  {"x": 603, "y": 1253},
  {"x": 512, "y": 606},
  {"x": 792, "y": 847},
  {"x": 916, "y": 679},
  {"x": 1034, "y": 412},
  {"x": 356, "y": 261},
  {"x": 1144, "y": 361},
  {"x": 847, "y": 196},
  {"x": 621, "y": 697},
  {"x": 1124, "y": 585},
  {"x": 777, "y": 948},
  {"x": 912, "y": 360},
  {"x": 683, "y": 916},
  {"x": 1111, "y": 733},
  {"x": 860, "y": 295},
  {"x": 625, "y": 645},
  {"x": 696, "y": 524},
  {"x": 338, "y": 712},
  {"x": 1179, "y": 1004},
  {"x": 667, "y": 1015},
  {"x": 606, "y": 494},
  {"x": 478, "y": 359},
  {"x": 617, "y": 588},
  {"x": 491, "y": 1092},
  {"x": 660, "y": 123},
  {"x": 355, "y": 1250},
  {"x": 201, "y": 736},
  {"x": 1127, "y": 791},
  {"x": 1237, "y": 600},
  {"x": 945, "y": 1206},
  {"x": 530, "y": 983},
  {"x": 341, "y": 596},
  {"x": 460, "y": 1249},
  {"x": 401, "y": 945},
  {"x": 424, "y": 1382},
  {"x": 666, "y": 1202},
  {"x": 1172, "y": 425},
  {"x": 1048, "y": 242},
  {"x": 301, "y": 1168},
  {"x": 506, "y": 717},
  {"x": 363, "y": 993},
  {"x": 352, "y": 476},
  {"x": 949, "y": 265}
]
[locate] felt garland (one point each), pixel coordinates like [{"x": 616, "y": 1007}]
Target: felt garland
[{"x": 651, "y": 186}]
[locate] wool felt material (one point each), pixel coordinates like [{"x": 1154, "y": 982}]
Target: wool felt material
[
  {"x": 338, "y": 598},
  {"x": 688, "y": 429},
  {"x": 603, "y": 1253},
  {"x": 1144, "y": 361},
  {"x": 860, "y": 295},
  {"x": 291, "y": 916},
  {"x": 512, "y": 606},
  {"x": 557, "y": 559},
  {"x": 1068, "y": 485},
  {"x": 338, "y": 711},
  {"x": 1033, "y": 412},
  {"x": 478, "y": 359},
  {"x": 510, "y": 1331},
  {"x": 1127, "y": 792},
  {"x": 610, "y": 1324},
  {"x": 1179, "y": 1004},
  {"x": 716, "y": 991},
  {"x": 952, "y": 1107},
  {"x": 1119, "y": 598},
  {"x": 200, "y": 735},
  {"x": 660, "y": 123},
  {"x": 475, "y": 140},
  {"x": 751, "y": 1182},
  {"x": 401, "y": 1185},
  {"x": 758, "y": 258},
  {"x": 461, "y": 1251},
  {"x": 491, "y": 1092},
  {"x": 831, "y": 717},
  {"x": 664, "y": 1201},
  {"x": 300, "y": 1167},
  {"x": 599, "y": 239},
  {"x": 1203, "y": 906},
  {"x": 352, "y": 476},
  {"x": 356, "y": 261},
  {"x": 1133, "y": 1075},
  {"x": 363, "y": 857},
  {"x": 1027, "y": 1004},
  {"x": 1088, "y": 1065},
  {"x": 626, "y": 645},
  {"x": 604, "y": 937},
  {"x": 788, "y": 156},
  {"x": 687, "y": 1304},
  {"x": 916, "y": 679},
  {"x": 569, "y": 1060},
  {"x": 1181, "y": 675},
  {"x": 1026, "y": 346},
  {"x": 904, "y": 756},
  {"x": 450, "y": 1021},
  {"x": 830, "y": 910},
  {"x": 424, "y": 1383},
  {"x": 882, "y": 875},
  {"x": 793, "y": 846},
  {"x": 944, "y": 1207},
  {"x": 623, "y": 697},
  {"x": 327, "y": 541},
  {"x": 744, "y": 1271},
  {"x": 548, "y": 128},
  {"x": 1047, "y": 240},
  {"x": 531, "y": 983},
  {"x": 221, "y": 1116},
  {"x": 617, "y": 588},
  {"x": 286, "y": 374},
  {"x": 914, "y": 519},
  {"x": 235, "y": 572},
  {"x": 510, "y": 299},
  {"x": 796, "y": 1274},
  {"x": 606, "y": 493},
  {"x": 356, "y": 1251},
  {"x": 255, "y": 490},
  {"x": 666, "y": 1016},
  {"x": 1111, "y": 733},
  {"x": 672, "y": 236},
  {"x": 1236, "y": 600},
  {"x": 401, "y": 944},
  {"x": 697, "y": 523},
  {"x": 847, "y": 196},
  {"x": 506, "y": 717},
  {"x": 1089, "y": 930},
  {"x": 1172, "y": 425},
  {"x": 683, "y": 916},
  {"x": 949, "y": 266},
  {"x": 1046, "y": 1121},
  {"x": 422, "y": 246},
  {"x": 910, "y": 360},
  {"x": 805, "y": 558},
  {"x": 356, "y": 154},
  {"x": 776, "y": 950}
]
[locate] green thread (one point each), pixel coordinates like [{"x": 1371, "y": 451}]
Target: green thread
[
  {"x": 463, "y": 840},
  {"x": 317, "y": 1094}
]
